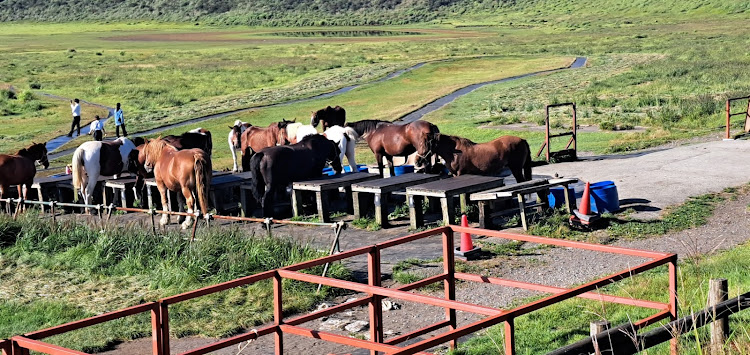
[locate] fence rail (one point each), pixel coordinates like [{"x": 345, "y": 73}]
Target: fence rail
[{"x": 374, "y": 293}]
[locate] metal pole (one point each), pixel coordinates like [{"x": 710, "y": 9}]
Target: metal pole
[
  {"x": 717, "y": 293},
  {"x": 278, "y": 314},
  {"x": 156, "y": 335},
  {"x": 546, "y": 131},
  {"x": 510, "y": 337},
  {"x": 164, "y": 317},
  {"x": 449, "y": 284},
  {"x": 152, "y": 212},
  {"x": 673, "y": 343},
  {"x": 337, "y": 227},
  {"x": 375, "y": 306},
  {"x": 728, "y": 117}
]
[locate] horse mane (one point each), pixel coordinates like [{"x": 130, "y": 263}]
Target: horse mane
[
  {"x": 364, "y": 127},
  {"x": 460, "y": 141},
  {"x": 154, "y": 149},
  {"x": 23, "y": 152}
]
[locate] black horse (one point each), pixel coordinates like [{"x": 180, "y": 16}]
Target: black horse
[
  {"x": 198, "y": 138},
  {"x": 274, "y": 168},
  {"x": 330, "y": 116},
  {"x": 365, "y": 127}
]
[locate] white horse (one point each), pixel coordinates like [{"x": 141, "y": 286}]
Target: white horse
[
  {"x": 234, "y": 140},
  {"x": 345, "y": 138},
  {"x": 94, "y": 159},
  {"x": 299, "y": 131}
]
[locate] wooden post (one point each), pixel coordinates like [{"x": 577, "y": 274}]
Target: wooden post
[
  {"x": 375, "y": 306},
  {"x": 321, "y": 198},
  {"x": 522, "y": 210},
  {"x": 296, "y": 202},
  {"x": 447, "y": 205},
  {"x": 485, "y": 218},
  {"x": 717, "y": 293},
  {"x": 449, "y": 284},
  {"x": 596, "y": 328},
  {"x": 381, "y": 209},
  {"x": 356, "y": 205},
  {"x": 416, "y": 219}
]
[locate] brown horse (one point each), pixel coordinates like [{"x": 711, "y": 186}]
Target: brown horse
[
  {"x": 198, "y": 138},
  {"x": 330, "y": 116},
  {"x": 188, "y": 171},
  {"x": 20, "y": 169},
  {"x": 274, "y": 168},
  {"x": 402, "y": 140},
  {"x": 256, "y": 138},
  {"x": 463, "y": 156}
]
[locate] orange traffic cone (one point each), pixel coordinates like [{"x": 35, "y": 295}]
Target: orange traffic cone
[
  {"x": 583, "y": 215},
  {"x": 585, "y": 200},
  {"x": 466, "y": 244}
]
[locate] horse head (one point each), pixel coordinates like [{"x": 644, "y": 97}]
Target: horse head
[
  {"x": 315, "y": 119},
  {"x": 334, "y": 156},
  {"x": 36, "y": 152},
  {"x": 152, "y": 152},
  {"x": 236, "y": 136},
  {"x": 281, "y": 133}
]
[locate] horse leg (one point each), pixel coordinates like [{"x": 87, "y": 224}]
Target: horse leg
[
  {"x": 89, "y": 192},
  {"x": 165, "y": 204},
  {"x": 181, "y": 200},
  {"x": 350, "y": 154},
  {"x": 391, "y": 168},
  {"x": 518, "y": 174},
  {"x": 268, "y": 200},
  {"x": 187, "y": 195},
  {"x": 4, "y": 188},
  {"x": 379, "y": 159},
  {"x": 234, "y": 158}
]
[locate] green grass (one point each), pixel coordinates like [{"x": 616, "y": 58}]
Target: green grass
[
  {"x": 56, "y": 274},
  {"x": 366, "y": 223},
  {"x": 564, "y": 323}
]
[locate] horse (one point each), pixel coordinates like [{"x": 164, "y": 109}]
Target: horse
[
  {"x": 274, "y": 168},
  {"x": 188, "y": 171},
  {"x": 20, "y": 168},
  {"x": 463, "y": 156},
  {"x": 345, "y": 138},
  {"x": 256, "y": 138},
  {"x": 297, "y": 131},
  {"x": 235, "y": 140},
  {"x": 94, "y": 159},
  {"x": 330, "y": 116},
  {"x": 402, "y": 140},
  {"x": 363, "y": 128},
  {"x": 198, "y": 138}
]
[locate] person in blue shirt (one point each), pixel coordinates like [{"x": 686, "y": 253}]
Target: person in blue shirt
[{"x": 119, "y": 122}]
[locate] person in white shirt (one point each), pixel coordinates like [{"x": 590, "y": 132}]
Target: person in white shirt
[
  {"x": 97, "y": 129},
  {"x": 76, "y": 108},
  {"x": 119, "y": 122}
]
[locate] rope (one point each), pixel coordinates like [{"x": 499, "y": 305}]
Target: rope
[{"x": 241, "y": 348}]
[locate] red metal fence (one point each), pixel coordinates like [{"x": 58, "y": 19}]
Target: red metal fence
[
  {"x": 730, "y": 114},
  {"x": 375, "y": 293}
]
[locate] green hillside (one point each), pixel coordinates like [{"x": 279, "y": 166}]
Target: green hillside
[{"x": 361, "y": 12}]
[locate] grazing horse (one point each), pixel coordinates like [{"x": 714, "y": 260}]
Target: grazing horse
[
  {"x": 187, "y": 171},
  {"x": 345, "y": 138},
  {"x": 463, "y": 156},
  {"x": 297, "y": 131},
  {"x": 198, "y": 138},
  {"x": 94, "y": 159},
  {"x": 402, "y": 140},
  {"x": 365, "y": 127},
  {"x": 20, "y": 169},
  {"x": 256, "y": 138},
  {"x": 274, "y": 168},
  {"x": 330, "y": 116},
  {"x": 235, "y": 140}
]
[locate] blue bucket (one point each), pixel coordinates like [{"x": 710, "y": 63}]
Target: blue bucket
[
  {"x": 604, "y": 197},
  {"x": 328, "y": 171},
  {"x": 556, "y": 196},
  {"x": 403, "y": 169},
  {"x": 360, "y": 167}
]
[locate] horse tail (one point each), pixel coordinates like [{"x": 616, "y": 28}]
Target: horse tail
[
  {"x": 527, "y": 163},
  {"x": 202, "y": 180},
  {"x": 351, "y": 134},
  {"x": 209, "y": 142},
  {"x": 247, "y": 154},
  {"x": 257, "y": 183},
  {"x": 79, "y": 170}
]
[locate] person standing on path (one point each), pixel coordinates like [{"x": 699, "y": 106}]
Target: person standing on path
[
  {"x": 119, "y": 121},
  {"x": 97, "y": 129},
  {"x": 76, "y": 108}
]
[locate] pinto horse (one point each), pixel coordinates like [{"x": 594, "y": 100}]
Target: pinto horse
[
  {"x": 198, "y": 138},
  {"x": 330, "y": 116},
  {"x": 345, "y": 139},
  {"x": 235, "y": 140},
  {"x": 187, "y": 171},
  {"x": 20, "y": 169},
  {"x": 297, "y": 131},
  {"x": 256, "y": 138},
  {"x": 94, "y": 159},
  {"x": 274, "y": 168},
  {"x": 402, "y": 140},
  {"x": 463, "y": 156}
]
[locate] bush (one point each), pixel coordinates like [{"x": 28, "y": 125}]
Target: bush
[{"x": 26, "y": 96}]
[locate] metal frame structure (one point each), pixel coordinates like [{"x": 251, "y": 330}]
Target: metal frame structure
[
  {"x": 573, "y": 131},
  {"x": 375, "y": 293},
  {"x": 746, "y": 113}
]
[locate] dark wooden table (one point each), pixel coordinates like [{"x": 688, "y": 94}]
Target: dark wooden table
[
  {"x": 446, "y": 190},
  {"x": 225, "y": 189},
  {"x": 150, "y": 186},
  {"x": 519, "y": 191},
  {"x": 122, "y": 189},
  {"x": 323, "y": 186},
  {"x": 46, "y": 187},
  {"x": 382, "y": 189}
]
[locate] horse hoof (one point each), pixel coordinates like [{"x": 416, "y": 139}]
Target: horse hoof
[
  {"x": 186, "y": 225},
  {"x": 164, "y": 221}
]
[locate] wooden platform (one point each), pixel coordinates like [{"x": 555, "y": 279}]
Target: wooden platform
[
  {"x": 382, "y": 190},
  {"x": 151, "y": 189},
  {"x": 46, "y": 187},
  {"x": 446, "y": 190},
  {"x": 519, "y": 191},
  {"x": 121, "y": 189},
  {"x": 322, "y": 188}
]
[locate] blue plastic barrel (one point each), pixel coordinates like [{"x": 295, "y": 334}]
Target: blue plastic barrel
[
  {"x": 604, "y": 197},
  {"x": 403, "y": 169},
  {"x": 328, "y": 171},
  {"x": 360, "y": 167},
  {"x": 556, "y": 196}
]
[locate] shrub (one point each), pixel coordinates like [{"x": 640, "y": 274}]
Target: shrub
[{"x": 26, "y": 96}]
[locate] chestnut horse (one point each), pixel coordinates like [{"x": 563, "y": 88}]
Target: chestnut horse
[
  {"x": 402, "y": 140},
  {"x": 274, "y": 168},
  {"x": 198, "y": 138},
  {"x": 463, "y": 156},
  {"x": 187, "y": 171},
  {"x": 20, "y": 169},
  {"x": 256, "y": 138},
  {"x": 235, "y": 140},
  {"x": 330, "y": 116}
]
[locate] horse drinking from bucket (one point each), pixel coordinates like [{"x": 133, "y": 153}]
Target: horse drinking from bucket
[
  {"x": 274, "y": 168},
  {"x": 256, "y": 138},
  {"x": 20, "y": 169},
  {"x": 197, "y": 138},
  {"x": 402, "y": 140},
  {"x": 94, "y": 159},
  {"x": 235, "y": 140},
  {"x": 330, "y": 116},
  {"x": 187, "y": 171},
  {"x": 463, "y": 156}
]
